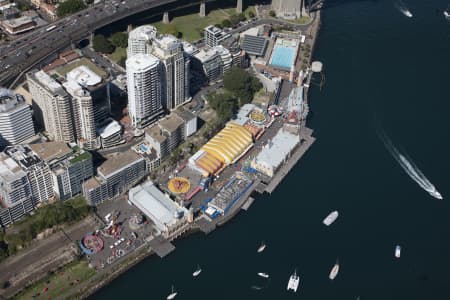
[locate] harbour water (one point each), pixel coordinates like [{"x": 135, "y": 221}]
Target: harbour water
[{"x": 381, "y": 68}]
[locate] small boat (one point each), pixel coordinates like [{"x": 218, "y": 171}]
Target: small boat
[
  {"x": 407, "y": 13},
  {"x": 262, "y": 247},
  {"x": 197, "y": 272},
  {"x": 294, "y": 281},
  {"x": 331, "y": 218},
  {"x": 398, "y": 250},
  {"x": 446, "y": 15},
  {"x": 172, "y": 295},
  {"x": 334, "y": 270},
  {"x": 264, "y": 275}
]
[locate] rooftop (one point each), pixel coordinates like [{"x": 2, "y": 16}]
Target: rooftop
[
  {"x": 184, "y": 114},
  {"x": 206, "y": 55},
  {"x": 51, "y": 150},
  {"x": 49, "y": 83},
  {"x": 171, "y": 123},
  {"x": 118, "y": 162},
  {"x": 254, "y": 45},
  {"x": 276, "y": 150},
  {"x": 10, "y": 101},
  {"x": 9, "y": 169},
  {"x": 144, "y": 32},
  {"x": 155, "y": 132},
  {"x": 13, "y": 23},
  {"x": 109, "y": 129},
  {"x": 142, "y": 62},
  {"x": 84, "y": 76}
]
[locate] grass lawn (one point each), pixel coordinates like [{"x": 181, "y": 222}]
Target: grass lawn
[
  {"x": 118, "y": 53},
  {"x": 63, "y": 70},
  {"x": 192, "y": 25},
  {"x": 302, "y": 20},
  {"x": 59, "y": 282}
]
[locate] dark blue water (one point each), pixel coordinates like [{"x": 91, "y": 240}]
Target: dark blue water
[{"x": 381, "y": 68}]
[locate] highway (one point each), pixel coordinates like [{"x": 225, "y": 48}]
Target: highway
[{"x": 23, "y": 53}]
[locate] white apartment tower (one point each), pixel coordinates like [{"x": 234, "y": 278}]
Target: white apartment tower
[
  {"x": 16, "y": 124},
  {"x": 52, "y": 106},
  {"x": 140, "y": 40},
  {"x": 83, "y": 115},
  {"x": 144, "y": 89},
  {"x": 170, "y": 51}
]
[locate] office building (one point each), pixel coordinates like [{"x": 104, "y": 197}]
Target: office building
[
  {"x": 14, "y": 111},
  {"x": 214, "y": 36},
  {"x": 140, "y": 40},
  {"x": 52, "y": 106},
  {"x": 69, "y": 168},
  {"x": 15, "y": 191},
  {"x": 83, "y": 115},
  {"x": 170, "y": 51},
  {"x": 114, "y": 177},
  {"x": 38, "y": 172},
  {"x": 144, "y": 76}
]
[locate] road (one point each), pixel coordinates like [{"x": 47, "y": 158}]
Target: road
[{"x": 23, "y": 53}]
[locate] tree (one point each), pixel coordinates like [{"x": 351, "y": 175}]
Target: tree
[
  {"x": 101, "y": 44},
  {"x": 272, "y": 14},
  {"x": 225, "y": 105},
  {"x": 89, "y": 2},
  {"x": 251, "y": 15},
  {"x": 218, "y": 25},
  {"x": 241, "y": 17},
  {"x": 226, "y": 23},
  {"x": 120, "y": 39},
  {"x": 234, "y": 20},
  {"x": 69, "y": 7},
  {"x": 241, "y": 84}
]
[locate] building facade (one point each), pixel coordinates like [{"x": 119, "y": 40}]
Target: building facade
[
  {"x": 14, "y": 111},
  {"x": 140, "y": 40},
  {"x": 214, "y": 36},
  {"x": 144, "y": 77},
  {"x": 52, "y": 106}
]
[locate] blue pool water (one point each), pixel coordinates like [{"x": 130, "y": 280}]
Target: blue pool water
[{"x": 282, "y": 57}]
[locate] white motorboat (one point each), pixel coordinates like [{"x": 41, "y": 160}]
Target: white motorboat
[
  {"x": 197, "y": 272},
  {"x": 172, "y": 295},
  {"x": 334, "y": 270},
  {"x": 261, "y": 247},
  {"x": 331, "y": 218},
  {"x": 294, "y": 281},
  {"x": 264, "y": 275},
  {"x": 407, "y": 13},
  {"x": 446, "y": 14},
  {"x": 398, "y": 250}
]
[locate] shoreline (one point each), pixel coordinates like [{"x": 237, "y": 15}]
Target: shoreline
[{"x": 298, "y": 153}]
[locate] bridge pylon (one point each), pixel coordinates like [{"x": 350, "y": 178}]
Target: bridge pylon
[
  {"x": 239, "y": 6},
  {"x": 165, "y": 19},
  {"x": 202, "y": 9}
]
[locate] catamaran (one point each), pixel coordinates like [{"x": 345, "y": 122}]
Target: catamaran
[
  {"x": 197, "y": 272},
  {"x": 334, "y": 270},
  {"x": 398, "y": 250},
  {"x": 331, "y": 218},
  {"x": 261, "y": 247},
  {"x": 264, "y": 275},
  {"x": 172, "y": 295},
  {"x": 294, "y": 281}
]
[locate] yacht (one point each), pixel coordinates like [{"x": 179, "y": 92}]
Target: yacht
[
  {"x": 197, "y": 272},
  {"x": 331, "y": 218},
  {"x": 172, "y": 295},
  {"x": 264, "y": 275},
  {"x": 261, "y": 247},
  {"x": 334, "y": 270},
  {"x": 294, "y": 281},
  {"x": 398, "y": 250}
]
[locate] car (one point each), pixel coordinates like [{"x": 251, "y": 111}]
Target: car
[
  {"x": 122, "y": 240},
  {"x": 111, "y": 246},
  {"x": 117, "y": 243}
]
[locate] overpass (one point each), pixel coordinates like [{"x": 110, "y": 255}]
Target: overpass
[{"x": 30, "y": 50}]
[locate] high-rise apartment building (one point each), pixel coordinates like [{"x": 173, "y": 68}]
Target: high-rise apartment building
[
  {"x": 215, "y": 36},
  {"x": 16, "y": 124},
  {"x": 52, "y": 106},
  {"x": 140, "y": 40},
  {"x": 144, "y": 77}
]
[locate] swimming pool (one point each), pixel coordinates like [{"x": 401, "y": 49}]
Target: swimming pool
[{"x": 283, "y": 57}]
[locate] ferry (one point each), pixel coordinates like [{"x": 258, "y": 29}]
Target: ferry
[
  {"x": 334, "y": 270},
  {"x": 172, "y": 295},
  {"x": 331, "y": 218},
  {"x": 264, "y": 275},
  {"x": 294, "y": 281},
  {"x": 197, "y": 272},
  {"x": 398, "y": 250},
  {"x": 262, "y": 247}
]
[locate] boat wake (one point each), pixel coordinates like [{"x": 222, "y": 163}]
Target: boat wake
[
  {"x": 409, "y": 167},
  {"x": 401, "y": 6}
]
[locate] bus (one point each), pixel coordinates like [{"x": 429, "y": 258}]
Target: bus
[{"x": 50, "y": 28}]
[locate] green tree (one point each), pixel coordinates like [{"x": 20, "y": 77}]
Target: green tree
[
  {"x": 69, "y": 7},
  {"x": 101, "y": 44},
  {"x": 251, "y": 15},
  {"x": 272, "y": 14},
  {"x": 234, "y": 19},
  {"x": 241, "y": 84},
  {"x": 241, "y": 17},
  {"x": 225, "y": 105},
  {"x": 120, "y": 39},
  {"x": 226, "y": 23}
]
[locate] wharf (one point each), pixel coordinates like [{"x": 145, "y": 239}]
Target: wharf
[
  {"x": 248, "y": 203},
  {"x": 306, "y": 140},
  {"x": 161, "y": 246},
  {"x": 205, "y": 225}
]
